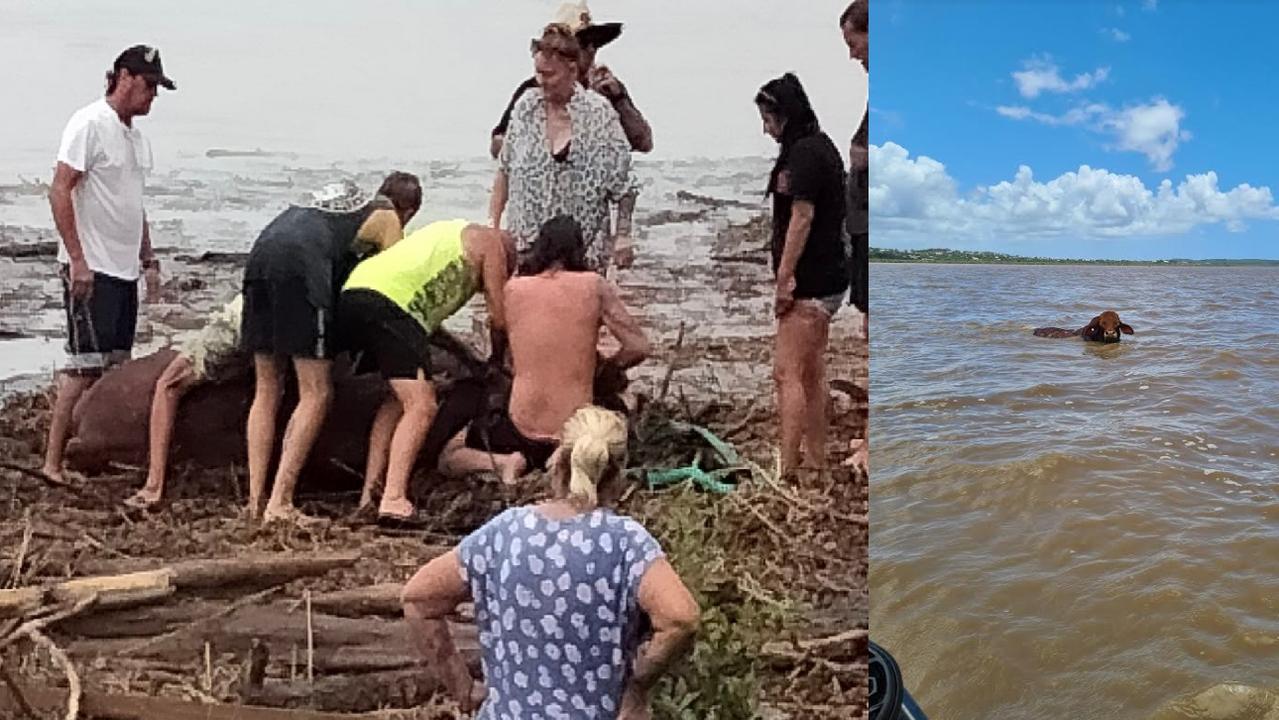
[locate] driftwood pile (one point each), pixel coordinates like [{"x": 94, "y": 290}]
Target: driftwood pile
[{"x": 222, "y": 630}]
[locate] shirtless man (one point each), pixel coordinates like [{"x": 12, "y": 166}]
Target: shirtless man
[{"x": 553, "y": 317}]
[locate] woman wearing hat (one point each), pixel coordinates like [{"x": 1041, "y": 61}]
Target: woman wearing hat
[
  {"x": 599, "y": 78},
  {"x": 809, "y": 259},
  {"x": 564, "y": 154},
  {"x": 291, "y": 283},
  {"x": 560, "y": 590}
]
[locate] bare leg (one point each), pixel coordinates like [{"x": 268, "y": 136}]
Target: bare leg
[
  {"x": 788, "y": 371},
  {"x": 458, "y": 460},
  {"x": 315, "y": 390},
  {"x": 417, "y": 397},
  {"x": 267, "y": 389},
  {"x": 70, "y": 388},
  {"x": 816, "y": 389},
  {"x": 379, "y": 447},
  {"x": 176, "y": 380}
]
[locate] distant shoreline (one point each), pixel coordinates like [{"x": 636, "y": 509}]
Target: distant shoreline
[{"x": 940, "y": 256}]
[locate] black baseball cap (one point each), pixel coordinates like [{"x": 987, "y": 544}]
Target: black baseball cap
[{"x": 143, "y": 60}]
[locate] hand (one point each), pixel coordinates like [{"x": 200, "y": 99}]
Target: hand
[
  {"x": 460, "y": 685},
  {"x": 784, "y": 301},
  {"x": 603, "y": 82},
  {"x": 154, "y": 290},
  {"x": 81, "y": 278},
  {"x": 635, "y": 704},
  {"x": 623, "y": 252}
]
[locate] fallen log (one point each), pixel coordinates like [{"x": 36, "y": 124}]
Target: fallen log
[
  {"x": 96, "y": 705},
  {"x": 382, "y": 599},
  {"x": 112, "y": 591},
  {"x": 274, "y": 626},
  {"x": 147, "y": 586},
  {"x": 260, "y": 570},
  {"x": 353, "y": 693}
]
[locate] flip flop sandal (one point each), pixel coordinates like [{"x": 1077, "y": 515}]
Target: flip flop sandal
[
  {"x": 137, "y": 502},
  {"x": 415, "y": 521}
]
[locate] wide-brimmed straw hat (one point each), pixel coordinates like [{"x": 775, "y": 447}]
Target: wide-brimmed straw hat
[{"x": 578, "y": 18}]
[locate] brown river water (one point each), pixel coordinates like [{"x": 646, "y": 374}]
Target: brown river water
[{"x": 1071, "y": 530}]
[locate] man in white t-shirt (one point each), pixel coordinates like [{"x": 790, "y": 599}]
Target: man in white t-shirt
[{"x": 96, "y": 197}]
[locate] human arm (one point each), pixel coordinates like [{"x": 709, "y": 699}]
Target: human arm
[
  {"x": 638, "y": 132},
  {"x": 497, "y": 200},
  {"x": 381, "y": 229},
  {"x": 675, "y": 617},
  {"x": 494, "y": 272},
  {"x": 801, "y": 223},
  {"x": 428, "y": 598},
  {"x": 150, "y": 266},
  {"x": 619, "y": 321},
  {"x": 623, "y": 245},
  {"x": 65, "y": 179},
  {"x": 498, "y": 134}
]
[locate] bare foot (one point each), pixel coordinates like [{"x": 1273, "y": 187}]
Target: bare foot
[
  {"x": 511, "y": 467},
  {"x": 395, "y": 508}
]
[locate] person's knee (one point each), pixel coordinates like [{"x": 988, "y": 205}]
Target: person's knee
[
  {"x": 787, "y": 373},
  {"x": 417, "y": 397}
]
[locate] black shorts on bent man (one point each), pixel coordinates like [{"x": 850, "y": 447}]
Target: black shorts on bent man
[
  {"x": 385, "y": 335},
  {"x": 100, "y": 328},
  {"x": 497, "y": 434},
  {"x": 280, "y": 320}
]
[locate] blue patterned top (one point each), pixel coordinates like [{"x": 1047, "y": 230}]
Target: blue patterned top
[{"x": 556, "y": 602}]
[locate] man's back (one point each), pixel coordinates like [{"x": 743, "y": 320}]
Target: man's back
[{"x": 553, "y": 322}]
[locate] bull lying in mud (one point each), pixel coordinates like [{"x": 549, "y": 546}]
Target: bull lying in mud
[{"x": 111, "y": 419}]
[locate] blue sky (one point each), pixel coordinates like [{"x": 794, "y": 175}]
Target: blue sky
[{"x": 1120, "y": 129}]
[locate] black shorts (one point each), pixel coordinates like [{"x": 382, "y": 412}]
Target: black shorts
[
  {"x": 385, "y": 336},
  {"x": 100, "y": 329},
  {"x": 497, "y": 434},
  {"x": 280, "y": 320}
]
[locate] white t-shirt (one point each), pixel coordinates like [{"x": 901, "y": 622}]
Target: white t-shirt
[{"x": 115, "y": 160}]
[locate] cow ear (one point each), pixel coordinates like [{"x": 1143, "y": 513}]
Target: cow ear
[{"x": 1125, "y": 328}]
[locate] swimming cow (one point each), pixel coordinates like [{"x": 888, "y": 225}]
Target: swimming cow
[{"x": 1105, "y": 328}]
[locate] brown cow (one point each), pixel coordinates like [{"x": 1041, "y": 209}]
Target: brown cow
[
  {"x": 1105, "y": 328},
  {"x": 111, "y": 419}
]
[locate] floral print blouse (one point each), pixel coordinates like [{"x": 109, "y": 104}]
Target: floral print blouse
[{"x": 597, "y": 171}]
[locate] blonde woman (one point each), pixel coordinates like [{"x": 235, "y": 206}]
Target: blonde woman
[{"x": 559, "y": 590}]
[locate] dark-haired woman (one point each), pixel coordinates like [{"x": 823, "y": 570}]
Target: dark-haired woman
[{"x": 809, "y": 260}]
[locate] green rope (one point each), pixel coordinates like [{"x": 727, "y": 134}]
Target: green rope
[{"x": 712, "y": 481}]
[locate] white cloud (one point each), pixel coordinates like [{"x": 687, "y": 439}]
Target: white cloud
[
  {"x": 914, "y": 201},
  {"x": 1040, "y": 75},
  {"x": 1116, "y": 34},
  {"x": 1152, "y": 129},
  {"x": 1150, "y": 5}
]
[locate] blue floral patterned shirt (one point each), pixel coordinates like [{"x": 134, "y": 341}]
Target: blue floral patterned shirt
[{"x": 556, "y": 602}]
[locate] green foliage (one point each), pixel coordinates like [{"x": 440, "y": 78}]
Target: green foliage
[{"x": 720, "y": 681}]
